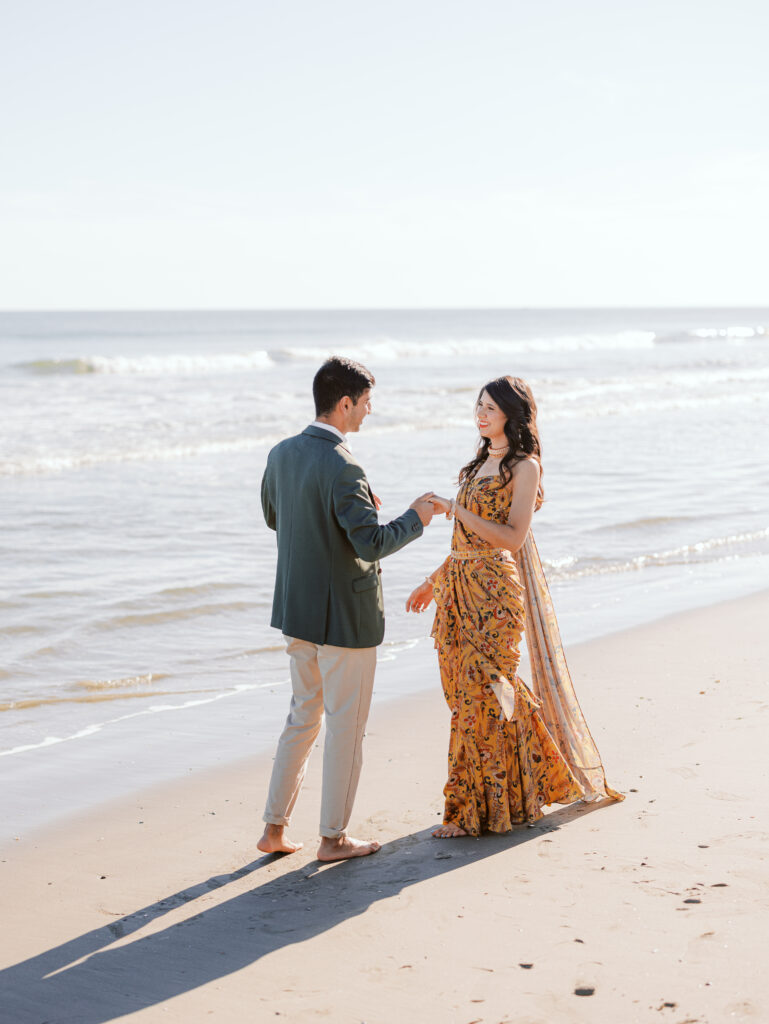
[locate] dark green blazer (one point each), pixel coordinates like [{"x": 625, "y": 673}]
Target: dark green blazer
[{"x": 328, "y": 586}]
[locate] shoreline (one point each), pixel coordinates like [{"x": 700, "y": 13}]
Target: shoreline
[
  {"x": 104, "y": 768},
  {"x": 158, "y": 906}
]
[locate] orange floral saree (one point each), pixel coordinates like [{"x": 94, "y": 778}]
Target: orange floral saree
[{"x": 512, "y": 750}]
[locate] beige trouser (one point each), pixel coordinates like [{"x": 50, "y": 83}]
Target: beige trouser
[{"x": 339, "y": 681}]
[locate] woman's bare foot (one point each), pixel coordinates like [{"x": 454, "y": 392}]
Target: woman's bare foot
[
  {"x": 449, "y": 832},
  {"x": 273, "y": 841},
  {"x": 345, "y": 847}
]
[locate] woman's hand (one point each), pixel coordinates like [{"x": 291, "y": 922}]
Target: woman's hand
[
  {"x": 420, "y": 597},
  {"x": 440, "y": 504}
]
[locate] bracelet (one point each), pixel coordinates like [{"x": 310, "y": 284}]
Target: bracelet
[
  {"x": 430, "y": 580},
  {"x": 452, "y": 508}
]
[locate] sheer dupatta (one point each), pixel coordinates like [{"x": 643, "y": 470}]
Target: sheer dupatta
[{"x": 551, "y": 682}]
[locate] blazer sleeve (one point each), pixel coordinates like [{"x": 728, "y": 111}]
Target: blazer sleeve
[
  {"x": 267, "y": 506},
  {"x": 356, "y": 514}
]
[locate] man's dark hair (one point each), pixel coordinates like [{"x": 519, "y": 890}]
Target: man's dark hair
[{"x": 335, "y": 379}]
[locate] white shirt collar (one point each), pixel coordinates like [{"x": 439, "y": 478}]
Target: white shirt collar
[{"x": 328, "y": 426}]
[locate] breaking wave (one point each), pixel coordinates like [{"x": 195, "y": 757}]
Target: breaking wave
[
  {"x": 56, "y": 463},
  {"x": 736, "y": 545},
  {"x": 385, "y": 350},
  {"x": 729, "y": 334},
  {"x": 376, "y": 350},
  {"x": 153, "y": 365}
]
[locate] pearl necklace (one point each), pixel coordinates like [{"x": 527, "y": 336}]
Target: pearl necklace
[{"x": 497, "y": 453}]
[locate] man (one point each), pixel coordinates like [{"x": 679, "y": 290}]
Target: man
[{"x": 328, "y": 602}]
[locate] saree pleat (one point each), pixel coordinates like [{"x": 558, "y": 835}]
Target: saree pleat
[{"x": 512, "y": 749}]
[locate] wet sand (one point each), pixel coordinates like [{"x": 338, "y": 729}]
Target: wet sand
[{"x": 158, "y": 907}]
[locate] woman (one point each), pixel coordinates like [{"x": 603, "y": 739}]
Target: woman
[{"x": 512, "y": 749}]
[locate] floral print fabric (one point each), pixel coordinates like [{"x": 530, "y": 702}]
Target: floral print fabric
[{"x": 502, "y": 770}]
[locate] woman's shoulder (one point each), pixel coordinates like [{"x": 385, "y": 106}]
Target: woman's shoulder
[{"x": 527, "y": 470}]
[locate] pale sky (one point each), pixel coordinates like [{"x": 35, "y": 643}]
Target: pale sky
[{"x": 326, "y": 154}]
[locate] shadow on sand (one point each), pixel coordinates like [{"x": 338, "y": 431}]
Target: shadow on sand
[{"x": 84, "y": 981}]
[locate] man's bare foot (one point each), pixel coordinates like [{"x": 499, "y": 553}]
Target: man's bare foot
[
  {"x": 273, "y": 841},
  {"x": 345, "y": 847},
  {"x": 449, "y": 832}
]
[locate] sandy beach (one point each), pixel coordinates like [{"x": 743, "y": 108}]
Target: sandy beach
[{"x": 159, "y": 908}]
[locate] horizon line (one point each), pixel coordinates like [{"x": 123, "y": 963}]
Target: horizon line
[{"x": 385, "y": 309}]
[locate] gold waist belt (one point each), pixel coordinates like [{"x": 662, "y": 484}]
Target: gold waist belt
[{"x": 498, "y": 554}]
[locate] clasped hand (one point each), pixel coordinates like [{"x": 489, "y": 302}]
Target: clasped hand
[
  {"x": 429, "y": 504},
  {"x": 440, "y": 504}
]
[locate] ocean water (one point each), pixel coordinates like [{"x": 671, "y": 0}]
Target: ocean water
[{"x": 137, "y": 571}]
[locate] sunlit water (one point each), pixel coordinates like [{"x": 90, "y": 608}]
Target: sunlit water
[{"x": 137, "y": 571}]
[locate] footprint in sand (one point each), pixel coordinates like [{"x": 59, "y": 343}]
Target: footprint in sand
[{"x": 742, "y": 1009}]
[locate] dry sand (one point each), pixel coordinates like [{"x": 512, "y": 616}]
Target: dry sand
[{"x": 159, "y": 908}]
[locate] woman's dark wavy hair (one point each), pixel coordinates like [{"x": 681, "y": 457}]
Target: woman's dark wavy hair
[{"x": 514, "y": 398}]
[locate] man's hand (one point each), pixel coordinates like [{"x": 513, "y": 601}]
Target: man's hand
[{"x": 424, "y": 508}]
